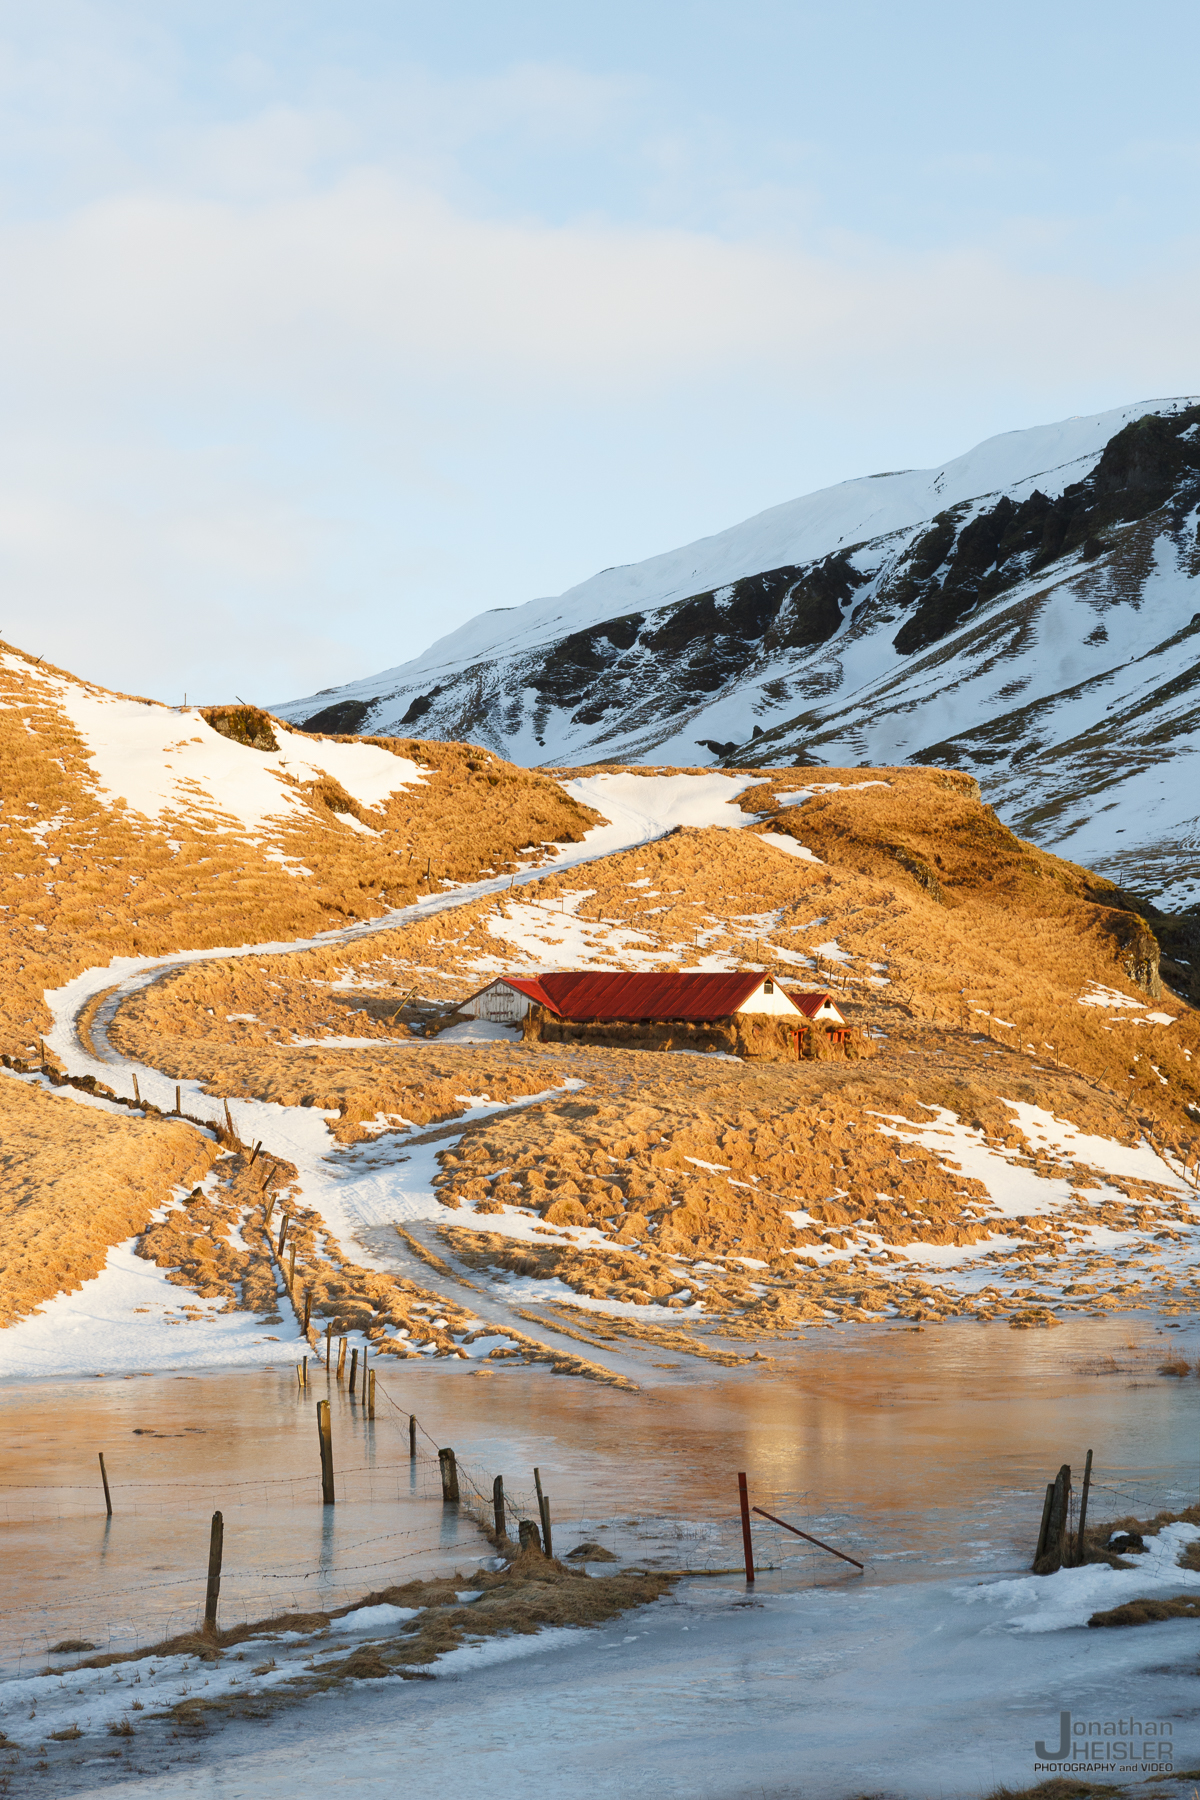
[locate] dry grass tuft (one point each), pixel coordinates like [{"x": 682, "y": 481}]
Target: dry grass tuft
[{"x": 1149, "y": 1612}]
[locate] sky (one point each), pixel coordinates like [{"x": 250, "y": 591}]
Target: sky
[{"x": 323, "y": 329}]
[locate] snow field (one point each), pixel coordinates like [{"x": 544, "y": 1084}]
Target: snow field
[{"x": 165, "y": 759}]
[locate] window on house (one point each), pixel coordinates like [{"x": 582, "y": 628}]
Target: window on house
[{"x": 768, "y": 987}]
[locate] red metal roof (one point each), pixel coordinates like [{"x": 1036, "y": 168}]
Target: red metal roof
[
  {"x": 811, "y": 1004},
  {"x": 611, "y": 994}
]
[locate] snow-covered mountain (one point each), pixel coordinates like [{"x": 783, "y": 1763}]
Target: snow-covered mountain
[{"x": 1029, "y": 611}]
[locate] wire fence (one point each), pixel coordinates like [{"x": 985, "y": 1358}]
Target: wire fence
[{"x": 113, "y": 1590}]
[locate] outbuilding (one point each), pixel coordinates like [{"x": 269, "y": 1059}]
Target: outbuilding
[{"x": 822, "y": 1011}]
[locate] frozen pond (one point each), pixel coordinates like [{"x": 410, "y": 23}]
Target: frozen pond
[{"x": 923, "y": 1454}]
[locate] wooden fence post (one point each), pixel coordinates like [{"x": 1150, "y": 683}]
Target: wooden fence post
[
  {"x": 137, "y": 1098},
  {"x": 307, "y": 1310},
  {"x": 267, "y": 1211},
  {"x": 371, "y": 1397},
  {"x": 341, "y": 1362},
  {"x": 229, "y": 1121},
  {"x": 216, "y": 1546},
  {"x": 283, "y": 1225},
  {"x": 328, "y": 1336},
  {"x": 547, "y": 1535},
  {"x": 291, "y": 1274},
  {"x": 353, "y": 1368},
  {"x": 542, "y": 1513},
  {"x": 1046, "y": 1504},
  {"x": 1080, "y": 1555},
  {"x": 104, "y": 1479},
  {"x": 498, "y": 1506},
  {"x": 178, "y": 1108},
  {"x": 412, "y": 1436},
  {"x": 747, "y": 1541},
  {"x": 449, "y": 1469},
  {"x": 325, "y": 1434},
  {"x": 1055, "y": 1544}
]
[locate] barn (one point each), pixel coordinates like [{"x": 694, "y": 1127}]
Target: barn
[
  {"x": 594, "y": 994},
  {"x": 746, "y": 1011}
]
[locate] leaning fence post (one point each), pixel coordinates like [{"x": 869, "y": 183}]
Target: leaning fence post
[
  {"x": 104, "y": 1479},
  {"x": 449, "y": 1477},
  {"x": 353, "y": 1368},
  {"x": 325, "y": 1434},
  {"x": 1087, "y": 1482},
  {"x": 747, "y": 1541},
  {"x": 1055, "y": 1536},
  {"x": 498, "y": 1506},
  {"x": 216, "y": 1545},
  {"x": 341, "y": 1362},
  {"x": 283, "y": 1225}
]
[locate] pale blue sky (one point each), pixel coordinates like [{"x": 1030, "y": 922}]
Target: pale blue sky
[{"x": 325, "y": 328}]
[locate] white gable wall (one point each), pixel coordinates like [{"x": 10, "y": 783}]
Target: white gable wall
[
  {"x": 502, "y": 1004},
  {"x": 774, "y": 1002},
  {"x": 828, "y": 1013}
]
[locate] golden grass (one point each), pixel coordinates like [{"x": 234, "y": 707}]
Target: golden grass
[
  {"x": 530, "y": 1593},
  {"x": 1149, "y": 1612},
  {"x": 75, "y": 1180}
]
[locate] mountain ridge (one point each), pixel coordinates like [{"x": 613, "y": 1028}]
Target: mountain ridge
[{"x": 992, "y": 613}]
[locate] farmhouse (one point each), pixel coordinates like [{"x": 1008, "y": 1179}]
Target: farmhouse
[{"x": 747, "y": 1013}]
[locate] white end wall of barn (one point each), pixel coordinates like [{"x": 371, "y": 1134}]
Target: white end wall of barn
[
  {"x": 501, "y": 1004},
  {"x": 760, "y": 1001}
]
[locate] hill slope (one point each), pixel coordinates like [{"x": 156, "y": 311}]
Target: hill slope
[
  {"x": 134, "y": 829},
  {"x": 1010, "y": 1137},
  {"x": 1028, "y": 611}
]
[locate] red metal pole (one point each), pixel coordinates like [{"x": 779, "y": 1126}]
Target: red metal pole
[
  {"x": 747, "y": 1546},
  {"x": 796, "y": 1532}
]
